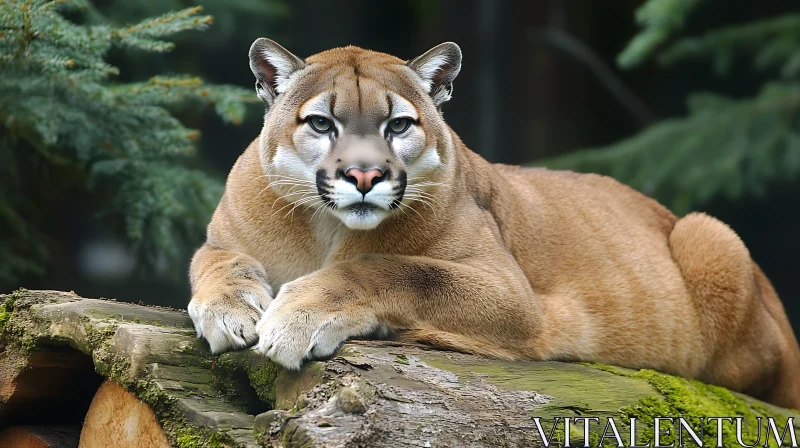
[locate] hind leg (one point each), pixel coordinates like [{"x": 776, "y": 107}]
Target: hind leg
[{"x": 751, "y": 350}]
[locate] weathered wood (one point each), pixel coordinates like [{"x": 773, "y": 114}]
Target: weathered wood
[{"x": 369, "y": 394}]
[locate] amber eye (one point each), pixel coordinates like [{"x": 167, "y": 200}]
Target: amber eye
[
  {"x": 320, "y": 124},
  {"x": 399, "y": 125}
]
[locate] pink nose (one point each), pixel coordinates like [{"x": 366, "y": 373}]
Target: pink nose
[{"x": 364, "y": 180}]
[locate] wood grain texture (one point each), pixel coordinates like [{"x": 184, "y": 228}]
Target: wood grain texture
[{"x": 370, "y": 393}]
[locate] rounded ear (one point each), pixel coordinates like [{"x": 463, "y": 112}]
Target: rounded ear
[
  {"x": 437, "y": 68},
  {"x": 273, "y": 65}
]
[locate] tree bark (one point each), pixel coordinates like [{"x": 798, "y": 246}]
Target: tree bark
[{"x": 161, "y": 382}]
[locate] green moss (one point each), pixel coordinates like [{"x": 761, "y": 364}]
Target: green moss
[
  {"x": 694, "y": 400},
  {"x": 180, "y": 431},
  {"x": 189, "y": 441},
  {"x": 262, "y": 377},
  {"x": 225, "y": 376},
  {"x": 610, "y": 369},
  {"x": 401, "y": 359},
  {"x": 6, "y": 309},
  {"x": 576, "y": 389},
  {"x": 679, "y": 397},
  {"x": 98, "y": 335},
  {"x": 247, "y": 379},
  {"x": 597, "y": 390},
  {"x": 29, "y": 331},
  {"x": 174, "y": 423},
  {"x": 20, "y": 334},
  {"x": 172, "y": 419},
  {"x": 195, "y": 440}
]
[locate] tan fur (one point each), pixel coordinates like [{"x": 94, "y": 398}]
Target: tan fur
[{"x": 503, "y": 261}]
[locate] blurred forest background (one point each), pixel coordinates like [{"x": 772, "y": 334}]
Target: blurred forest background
[{"x": 119, "y": 120}]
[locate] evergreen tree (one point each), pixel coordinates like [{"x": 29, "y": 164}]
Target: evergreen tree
[
  {"x": 69, "y": 132},
  {"x": 725, "y": 146}
]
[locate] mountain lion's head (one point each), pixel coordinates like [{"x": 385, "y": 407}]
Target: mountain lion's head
[{"x": 355, "y": 133}]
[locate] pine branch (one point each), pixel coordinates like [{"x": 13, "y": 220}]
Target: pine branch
[
  {"x": 143, "y": 35},
  {"x": 725, "y": 147},
  {"x": 59, "y": 107},
  {"x": 773, "y": 42},
  {"x": 660, "y": 19}
]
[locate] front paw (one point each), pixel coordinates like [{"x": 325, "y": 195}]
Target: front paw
[
  {"x": 227, "y": 320},
  {"x": 294, "y": 329}
]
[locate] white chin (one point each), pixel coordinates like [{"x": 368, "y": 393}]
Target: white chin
[{"x": 362, "y": 219}]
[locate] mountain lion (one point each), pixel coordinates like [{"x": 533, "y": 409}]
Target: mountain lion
[{"x": 359, "y": 212}]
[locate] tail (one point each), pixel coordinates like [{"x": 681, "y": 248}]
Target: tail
[
  {"x": 787, "y": 390},
  {"x": 753, "y": 348}
]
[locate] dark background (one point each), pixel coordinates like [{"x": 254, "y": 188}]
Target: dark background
[{"x": 520, "y": 98}]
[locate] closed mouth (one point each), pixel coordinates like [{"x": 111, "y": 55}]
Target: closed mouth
[{"x": 362, "y": 207}]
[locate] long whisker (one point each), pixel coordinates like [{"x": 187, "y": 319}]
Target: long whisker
[
  {"x": 281, "y": 182},
  {"x": 263, "y": 190},
  {"x": 286, "y": 177},
  {"x": 290, "y": 203},
  {"x": 426, "y": 203},
  {"x": 402, "y": 209},
  {"x": 421, "y": 193},
  {"x": 290, "y": 190},
  {"x": 289, "y": 193},
  {"x": 312, "y": 204},
  {"x": 308, "y": 204},
  {"x": 418, "y": 196},
  {"x": 300, "y": 202},
  {"x": 411, "y": 208},
  {"x": 324, "y": 207},
  {"x": 292, "y": 181},
  {"x": 315, "y": 213},
  {"x": 429, "y": 184},
  {"x": 297, "y": 179},
  {"x": 285, "y": 196},
  {"x": 289, "y": 182}
]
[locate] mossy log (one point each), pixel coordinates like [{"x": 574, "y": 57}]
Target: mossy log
[{"x": 159, "y": 380}]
